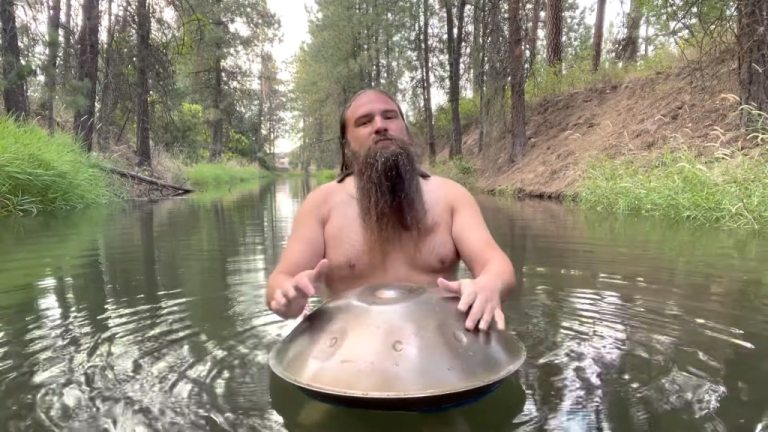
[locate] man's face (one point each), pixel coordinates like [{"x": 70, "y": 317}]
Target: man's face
[{"x": 372, "y": 118}]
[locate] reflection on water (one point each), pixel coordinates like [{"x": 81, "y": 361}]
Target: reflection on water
[{"x": 150, "y": 316}]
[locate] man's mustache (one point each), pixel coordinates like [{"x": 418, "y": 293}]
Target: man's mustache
[{"x": 383, "y": 137}]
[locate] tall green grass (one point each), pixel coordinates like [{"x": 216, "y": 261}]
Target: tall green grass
[
  {"x": 41, "y": 172},
  {"x": 729, "y": 190},
  {"x": 209, "y": 176}
]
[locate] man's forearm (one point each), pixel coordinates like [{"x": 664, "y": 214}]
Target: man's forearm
[{"x": 498, "y": 274}]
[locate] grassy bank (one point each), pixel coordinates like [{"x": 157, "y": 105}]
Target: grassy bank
[
  {"x": 210, "y": 176},
  {"x": 46, "y": 172},
  {"x": 729, "y": 190}
]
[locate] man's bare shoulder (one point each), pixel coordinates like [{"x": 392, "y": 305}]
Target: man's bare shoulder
[{"x": 322, "y": 197}]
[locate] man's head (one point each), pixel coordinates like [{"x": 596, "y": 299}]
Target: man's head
[
  {"x": 370, "y": 118},
  {"x": 378, "y": 150}
]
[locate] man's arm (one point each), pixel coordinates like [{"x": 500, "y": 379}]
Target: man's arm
[
  {"x": 305, "y": 246},
  {"x": 477, "y": 248}
]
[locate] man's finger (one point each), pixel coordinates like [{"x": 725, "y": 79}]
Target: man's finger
[
  {"x": 499, "y": 318},
  {"x": 319, "y": 271},
  {"x": 278, "y": 300},
  {"x": 475, "y": 314},
  {"x": 469, "y": 297},
  {"x": 289, "y": 292},
  {"x": 486, "y": 319},
  {"x": 305, "y": 287},
  {"x": 450, "y": 286}
]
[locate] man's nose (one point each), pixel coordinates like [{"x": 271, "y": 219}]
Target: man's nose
[{"x": 380, "y": 125}]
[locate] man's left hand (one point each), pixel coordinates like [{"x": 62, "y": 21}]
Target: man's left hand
[{"x": 481, "y": 300}]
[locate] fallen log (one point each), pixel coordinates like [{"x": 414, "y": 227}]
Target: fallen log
[{"x": 180, "y": 190}]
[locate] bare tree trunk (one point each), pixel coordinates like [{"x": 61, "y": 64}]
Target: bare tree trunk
[
  {"x": 517, "y": 82},
  {"x": 143, "y": 26},
  {"x": 66, "y": 49},
  {"x": 54, "y": 18},
  {"x": 533, "y": 38},
  {"x": 481, "y": 77},
  {"x": 217, "y": 123},
  {"x": 629, "y": 45},
  {"x": 427, "y": 90},
  {"x": 597, "y": 36},
  {"x": 88, "y": 63},
  {"x": 15, "y": 89},
  {"x": 555, "y": 33},
  {"x": 454, "y": 70},
  {"x": 217, "y": 126},
  {"x": 106, "y": 106},
  {"x": 478, "y": 11},
  {"x": 753, "y": 58}
]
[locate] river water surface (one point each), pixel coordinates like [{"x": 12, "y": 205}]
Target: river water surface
[{"x": 150, "y": 316}]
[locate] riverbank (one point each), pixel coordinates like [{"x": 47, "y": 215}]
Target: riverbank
[
  {"x": 666, "y": 143},
  {"x": 41, "y": 172}
]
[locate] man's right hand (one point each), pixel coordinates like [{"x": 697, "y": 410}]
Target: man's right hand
[{"x": 290, "y": 299}]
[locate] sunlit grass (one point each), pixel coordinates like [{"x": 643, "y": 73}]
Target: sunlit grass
[
  {"x": 40, "y": 172},
  {"x": 545, "y": 81},
  {"x": 729, "y": 190},
  {"x": 209, "y": 176}
]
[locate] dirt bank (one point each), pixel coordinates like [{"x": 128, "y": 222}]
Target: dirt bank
[{"x": 687, "y": 105}]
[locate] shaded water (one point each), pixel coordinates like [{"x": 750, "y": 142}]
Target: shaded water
[{"x": 151, "y": 317}]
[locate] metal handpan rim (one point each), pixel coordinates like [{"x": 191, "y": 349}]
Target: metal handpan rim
[{"x": 279, "y": 371}]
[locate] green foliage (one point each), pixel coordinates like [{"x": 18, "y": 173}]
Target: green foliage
[
  {"x": 729, "y": 190},
  {"x": 207, "y": 176},
  {"x": 325, "y": 175},
  {"x": 40, "y": 172},
  {"x": 469, "y": 111},
  {"x": 458, "y": 169},
  {"x": 184, "y": 132}
]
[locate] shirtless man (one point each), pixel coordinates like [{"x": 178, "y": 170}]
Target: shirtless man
[{"x": 384, "y": 220}]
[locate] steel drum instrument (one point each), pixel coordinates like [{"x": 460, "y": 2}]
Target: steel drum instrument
[{"x": 394, "y": 347}]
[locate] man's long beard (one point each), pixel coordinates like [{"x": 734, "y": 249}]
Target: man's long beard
[{"x": 389, "y": 195}]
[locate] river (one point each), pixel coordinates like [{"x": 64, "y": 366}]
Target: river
[{"x": 150, "y": 316}]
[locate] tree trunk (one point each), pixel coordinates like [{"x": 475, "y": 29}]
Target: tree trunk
[
  {"x": 427, "y": 90},
  {"x": 753, "y": 59},
  {"x": 478, "y": 12},
  {"x": 54, "y": 19},
  {"x": 106, "y": 105},
  {"x": 15, "y": 89},
  {"x": 629, "y": 45},
  {"x": 533, "y": 37},
  {"x": 597, "y": 36},
  {"x": 481, "y": 77},
  {"x": 217, "y": 125},
  {"x": 555, "y": 33},
  {"x": 217, "y": 122},
  {"x": 517, "y": 82},
  {"x": 66, "y": 48},
  {"x": 143, "y": 25},
  {"x": 454, "y": 71},
  {"x": 87, "y": 73}
]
